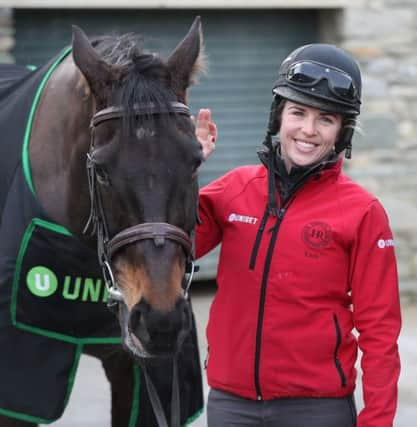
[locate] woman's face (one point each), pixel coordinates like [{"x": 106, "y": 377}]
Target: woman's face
[{"x": 307, "y": 134}]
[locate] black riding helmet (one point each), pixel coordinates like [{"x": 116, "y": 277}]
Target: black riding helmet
[{"x": 321, "y": 76}]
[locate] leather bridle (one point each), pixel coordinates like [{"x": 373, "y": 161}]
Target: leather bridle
[{"x": 156, "y": 231}]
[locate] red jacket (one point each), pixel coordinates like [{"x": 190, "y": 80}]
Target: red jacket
[{"x": 333, "y": 269}]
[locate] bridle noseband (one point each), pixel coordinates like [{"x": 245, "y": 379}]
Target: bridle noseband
[{"x": 156, "y": 231}]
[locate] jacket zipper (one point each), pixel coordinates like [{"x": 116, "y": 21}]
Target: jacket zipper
[
  {"x": 280, "y": 216},
  {"x": 336, "y": 350},
  {"x": 265, "y": 275}
]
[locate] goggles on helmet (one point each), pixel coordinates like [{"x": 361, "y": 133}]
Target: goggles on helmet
[{"x": 308, "y": 74}]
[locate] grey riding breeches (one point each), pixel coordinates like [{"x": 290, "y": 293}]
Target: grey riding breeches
[{"x": 228, "y": 410}]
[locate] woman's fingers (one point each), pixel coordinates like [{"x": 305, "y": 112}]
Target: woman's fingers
[{"x": 206, "y": 132}]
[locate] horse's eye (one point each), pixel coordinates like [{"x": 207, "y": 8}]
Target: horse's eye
[{"x": 102, "y": 176}]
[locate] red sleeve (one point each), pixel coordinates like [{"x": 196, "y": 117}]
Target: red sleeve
[
  {"x": 377, "y": 317},
  {"x": 208, "y": 234}
]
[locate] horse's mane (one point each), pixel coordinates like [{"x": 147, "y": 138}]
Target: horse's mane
[{"x": 146, "y": 78}]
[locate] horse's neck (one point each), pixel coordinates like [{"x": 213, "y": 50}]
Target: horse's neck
[{"x": 58, "y": 146}]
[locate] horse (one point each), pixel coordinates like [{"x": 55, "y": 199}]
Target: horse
[{"x": 110, "y": 162}]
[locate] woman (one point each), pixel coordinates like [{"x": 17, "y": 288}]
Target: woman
[{"x": 307, "y": 256}]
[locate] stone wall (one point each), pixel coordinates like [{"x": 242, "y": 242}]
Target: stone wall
[
  {"x": 382, "y": 34},
  {"x": 6, "y": 35}
]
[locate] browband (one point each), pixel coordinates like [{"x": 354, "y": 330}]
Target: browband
[{"x": 111, "y": 113}]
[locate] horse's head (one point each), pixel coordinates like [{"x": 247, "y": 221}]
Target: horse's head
[{"x": 143, "y": 163}]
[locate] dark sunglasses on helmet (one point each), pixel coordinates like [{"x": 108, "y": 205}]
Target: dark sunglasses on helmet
[{"x": 307, "y": 73}]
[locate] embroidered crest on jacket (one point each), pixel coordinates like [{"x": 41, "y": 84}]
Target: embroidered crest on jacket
[{"x": 317, "y": 235}]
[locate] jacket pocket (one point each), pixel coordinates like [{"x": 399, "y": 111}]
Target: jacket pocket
[{"x": 336, "y": 351}]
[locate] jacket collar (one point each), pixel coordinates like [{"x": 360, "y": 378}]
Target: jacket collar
[{"x": 288, "y": 183}]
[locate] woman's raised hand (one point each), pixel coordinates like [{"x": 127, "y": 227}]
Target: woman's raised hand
[{"x": 206, "y": 132}]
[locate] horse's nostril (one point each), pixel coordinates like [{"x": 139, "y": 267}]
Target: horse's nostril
[
  {"x": 163, "y": 323},
  {"x": 137, "y": 323},
  {"x": 134, "y": 318},
  {"x": 157, "y": 331}
]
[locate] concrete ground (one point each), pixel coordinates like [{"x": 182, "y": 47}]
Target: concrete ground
[{"x": 89, "y": 403}]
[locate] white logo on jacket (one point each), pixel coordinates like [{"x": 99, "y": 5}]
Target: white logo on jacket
[
  {"x": 242, "y": 218},
  {"x": 385, "y": 243}
]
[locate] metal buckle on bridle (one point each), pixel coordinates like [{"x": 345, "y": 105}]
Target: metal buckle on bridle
[
  {"x": 114, "y": 294},
  {"x": 191, "y": 268}
]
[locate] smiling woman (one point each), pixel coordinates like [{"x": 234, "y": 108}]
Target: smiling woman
[
  {"x": 308, "y": 135},
  {"x": 308, "y": 268}
]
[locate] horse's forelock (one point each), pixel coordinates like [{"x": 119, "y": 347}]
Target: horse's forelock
[
  {"x": 148, "y": 93},
  {"x": 126, "y": 53},
  {"x": 146, "y": 77},
  {"x": 147, "y": 84},
  {"x": 118, "y": 50}
]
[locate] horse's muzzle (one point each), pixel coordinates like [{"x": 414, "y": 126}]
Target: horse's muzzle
[{"x": 159, "y": 333}]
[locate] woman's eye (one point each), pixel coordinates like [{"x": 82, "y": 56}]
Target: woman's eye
[
  {"x": 327, "y": 119},
  {"x": 298, "y": 113}
]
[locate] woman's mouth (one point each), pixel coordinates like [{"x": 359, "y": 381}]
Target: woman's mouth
[{"x": 305, "y": 146}]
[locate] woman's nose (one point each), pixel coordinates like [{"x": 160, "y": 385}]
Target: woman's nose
[{"x": 309, "y": 126}]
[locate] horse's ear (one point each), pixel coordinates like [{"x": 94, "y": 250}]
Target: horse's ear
[
  {"x": 97, "y": 72},
  {"x": 187, "y": 59}
]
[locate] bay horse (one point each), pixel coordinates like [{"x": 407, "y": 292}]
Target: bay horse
[{"x": 111, "y": 160}]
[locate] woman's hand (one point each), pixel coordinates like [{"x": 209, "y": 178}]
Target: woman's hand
[{"x": 206, "y": 132}]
